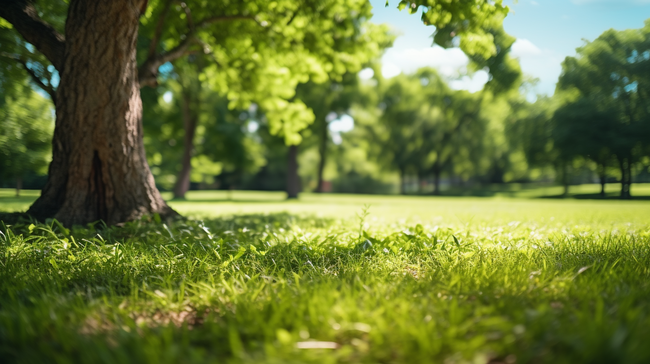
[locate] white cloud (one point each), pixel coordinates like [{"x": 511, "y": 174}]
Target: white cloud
[
  {"x": 450, "y": 63},
  {"x": 342, "y": 124},
  {"x": 447, "y": 61},
  {"x": 471, "y": 83},
  {"x": 543, "y": 64},
  {"x": 540, "y": 63},
  {"x": 524, "y": 47},
  {"x": 366, "y": 73},
  {"x": 389, "y": 70}
]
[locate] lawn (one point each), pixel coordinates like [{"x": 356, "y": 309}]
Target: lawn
[{"x": 252, "y": 278}]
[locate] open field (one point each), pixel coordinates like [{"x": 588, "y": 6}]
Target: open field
[{"x": 259, "y": 279}]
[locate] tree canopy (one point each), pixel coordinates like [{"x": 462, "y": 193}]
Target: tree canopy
[{"x": 605, "y": 90}]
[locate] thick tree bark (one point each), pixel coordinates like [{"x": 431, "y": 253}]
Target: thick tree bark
[
  {"x": 189, "y": 124},
  {"x": 99, "y": 170},
  {"x": 322, "y": 150},
  {"x": 293, "y": 180}
]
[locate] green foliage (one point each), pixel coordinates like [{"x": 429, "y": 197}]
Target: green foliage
[
  {"x": 476, "y": 27},
  {"x": 19, "y": 60},
  {"x": 605, "y": 91},
  {"x": 262, "y": 50},
  {"x": 221, "y": 143},
  {"x": 424, "y": 127},
  {"x": 468, "y": 20},
  {"x": 428, "y": 280},
  {"x": 26, "y": 125}
]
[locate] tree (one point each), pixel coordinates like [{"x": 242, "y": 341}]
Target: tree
[
  {"x": 363, "y": 42},
  {"x": 26, "y": 125},
  {"x": 609, "y": 76},
  {"x": 397, "y": 131},
  {"x": 99, "y": 169},
  {"x": 584, "y": 128},
  {"x": 425, "y": 126},
  {"x": 453, "y": 129},
  {"x": 329, "y": 101}
]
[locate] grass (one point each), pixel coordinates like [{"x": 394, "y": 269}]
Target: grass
[{"x": 257, "y": 279}]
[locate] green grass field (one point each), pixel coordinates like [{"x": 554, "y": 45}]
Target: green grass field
[{"x": 252, "y": 278}]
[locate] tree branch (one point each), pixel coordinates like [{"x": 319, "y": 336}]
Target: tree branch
[
  {"x": 159, "y": 28},
  {"x": 215, "y": 19},
  {"x": 148, "y": 71},
  {"x": 188, "y": 14},
  {"x": 37, "y": 80},
  {"x": 24, "y": 18}
]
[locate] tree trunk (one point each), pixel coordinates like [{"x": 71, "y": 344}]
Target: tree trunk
[
  {"x": 436, "y": 183},
  {"x": 189, "y": 125},
  {"x": 629, "y": 179},
  {"x": 565, "y": 180},
  {"x": 322, "y": 150},
  {"x": 625, "y": 177},
  {"x": 19, "y": 185},
  {"x": 436, "y": 178},
  {"x": 293, "y": 181},
  {"x": 603, "y": 179},
  {"x": 402, "y": 182},
  {"x": 422, "y": 182},
  {"x": 99, "y": 170}
]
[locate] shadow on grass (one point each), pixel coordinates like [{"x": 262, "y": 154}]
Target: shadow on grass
[
  {"x": 262, "y": 222},
  {"x": 222, "y": 200},
  {"x": 596, "y": 196},
  {"x": 11, "y": 218}
]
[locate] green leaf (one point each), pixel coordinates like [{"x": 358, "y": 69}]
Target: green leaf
[
  {"x": 239, "y": 254},
  {"x": 419, "y": 229},
  {"x": 456, "y": 240}
]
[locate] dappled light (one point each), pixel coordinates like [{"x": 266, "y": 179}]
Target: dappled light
[{"x": 324, "y": 181}]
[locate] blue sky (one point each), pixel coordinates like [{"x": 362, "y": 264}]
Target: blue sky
[{"x": 546, "y": 30}]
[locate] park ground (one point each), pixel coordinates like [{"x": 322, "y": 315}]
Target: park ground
[{"x": 517, "y": 277}]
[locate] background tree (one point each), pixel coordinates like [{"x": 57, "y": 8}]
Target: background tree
[
  {"x": 329, "y": 101},
  {"x": 424, "y": 126},
  {"x": 26, "y": 125},
  {"x": 610, "y": 75},
  {"x": 586, "y": 129},
  {"x": 396, "y": 132}
]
